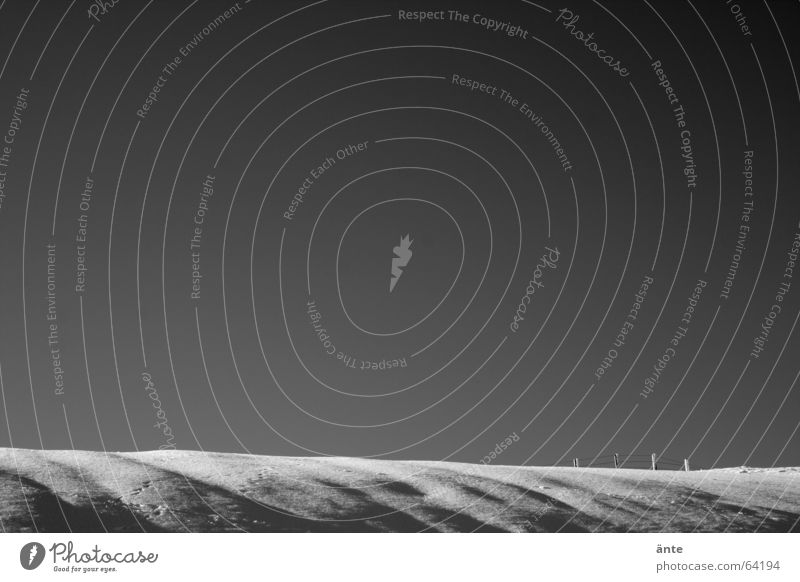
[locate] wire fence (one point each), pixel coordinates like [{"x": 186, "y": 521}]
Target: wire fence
[{"x": 634, "y": 461}]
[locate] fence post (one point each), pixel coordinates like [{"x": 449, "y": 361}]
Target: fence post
[
  {"x": 653, "y": 461},
  {"x": 686, "y": 464},
  {"x": 616, "y": 461}
]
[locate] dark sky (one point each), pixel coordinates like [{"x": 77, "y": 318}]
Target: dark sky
[{"x": 601, "y": 204}]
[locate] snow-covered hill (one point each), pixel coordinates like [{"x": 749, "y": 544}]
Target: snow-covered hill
[{"x": 197, "y": 491}]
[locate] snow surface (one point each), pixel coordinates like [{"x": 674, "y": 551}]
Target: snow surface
[{"x": 60, "y": 491}]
